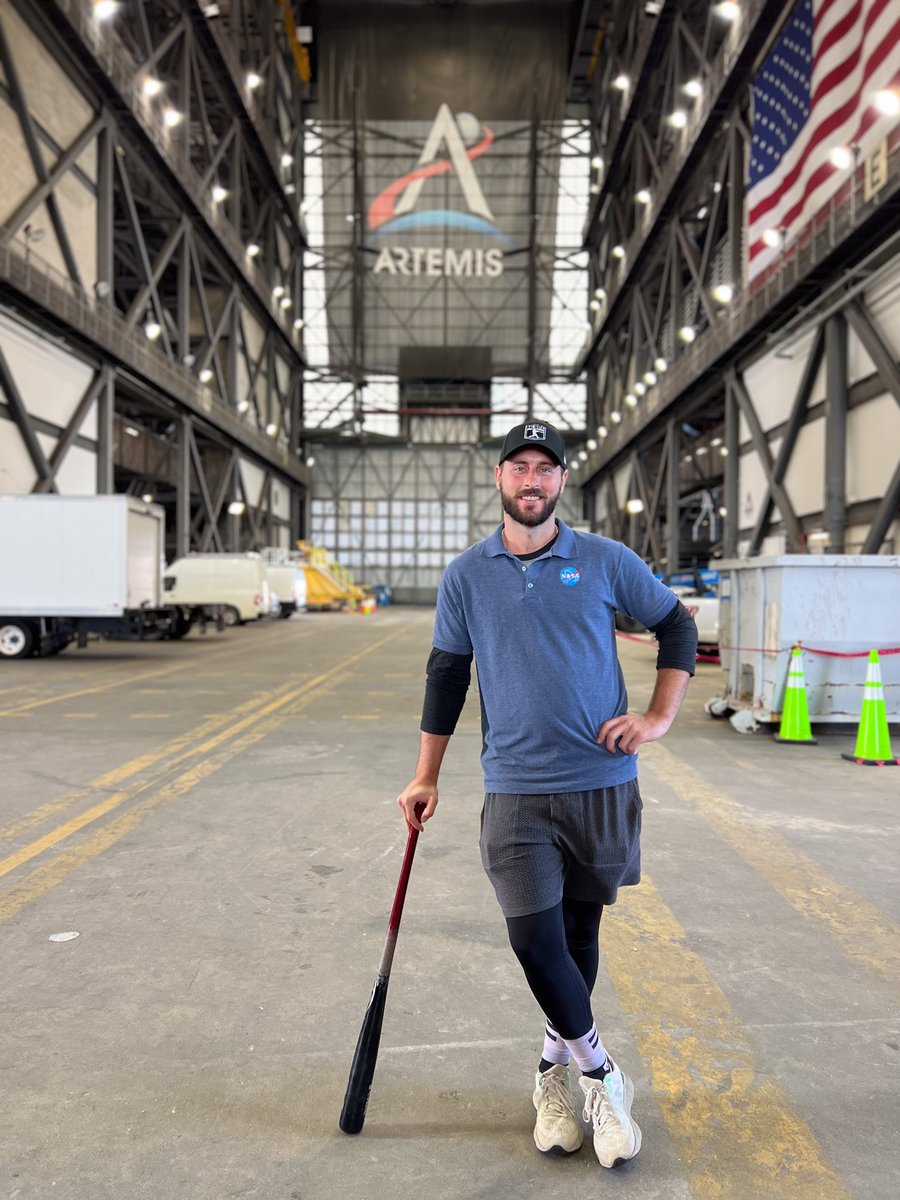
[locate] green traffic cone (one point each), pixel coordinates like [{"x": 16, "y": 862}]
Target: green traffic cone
[
  {"x": 795, "y": 714},
  {"x": 873, "y": 741}
]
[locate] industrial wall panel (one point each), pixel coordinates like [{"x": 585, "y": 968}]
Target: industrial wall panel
[
  {"x": 873, "y": 448},
  {"x": 50, "y": 380}
]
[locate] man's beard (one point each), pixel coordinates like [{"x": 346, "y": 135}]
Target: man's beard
[{"x": 530, "y": 517}]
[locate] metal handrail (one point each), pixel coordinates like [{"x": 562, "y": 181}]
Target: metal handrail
[{"x": 105, "y": 328}]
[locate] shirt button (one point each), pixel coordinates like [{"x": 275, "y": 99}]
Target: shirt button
[
  {"x": 531, "y": 585},
  {"x": 524, "y": 568}
]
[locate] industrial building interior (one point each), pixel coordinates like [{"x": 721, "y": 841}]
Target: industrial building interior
[{"x": 284, "y": 273}]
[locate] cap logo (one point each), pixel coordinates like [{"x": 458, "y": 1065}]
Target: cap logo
[{"x": 535, "y": 433}]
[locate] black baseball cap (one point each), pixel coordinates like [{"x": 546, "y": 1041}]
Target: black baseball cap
[{"x": 536, "y": 436}]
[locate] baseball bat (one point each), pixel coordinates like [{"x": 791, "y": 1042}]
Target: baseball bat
[{"x": 362, "y": 1069}]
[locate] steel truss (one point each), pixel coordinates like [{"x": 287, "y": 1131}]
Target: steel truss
[
  {"x": 674, "y": 326},
  {"x": 189, "y": 309}
]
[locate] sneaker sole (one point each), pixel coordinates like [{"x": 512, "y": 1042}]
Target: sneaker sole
[
  {"x": 557, "y": 1151},
  {"x": 635, "y": 1128}
]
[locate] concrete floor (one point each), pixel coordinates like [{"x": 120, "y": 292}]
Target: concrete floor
[{"x": 216, "y": 820}]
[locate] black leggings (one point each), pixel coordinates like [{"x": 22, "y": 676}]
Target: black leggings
[{"x": 560, "y": 953}]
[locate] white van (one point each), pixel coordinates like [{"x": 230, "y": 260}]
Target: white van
[
  {"x": 236, "y": 582},
  {"x": 287, "y": 581}
]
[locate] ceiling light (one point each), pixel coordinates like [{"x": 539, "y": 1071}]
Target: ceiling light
[
  {"x": 594, "y": 306},
  {"x": 723, "y": 511},
  {"x": 310, "y": 462},
  {"x": 621, "y": 83},
  {"x": 574, "y": 465},
  {"x": 591, "y": 445},
  {"x": 286, "y": 159},
  {"x": 151, "y": 85},
  {"x": 650, "y": 378},
  {"x": 640, "y": 388},
  {"x": 717, "y": 187},
  {"x": 205, "y": 375},
  {"x": 602, "y": 431},
  {"x": 631, "y": 400},
  {"x": 702, "y": 213},
  {"x": 277, "y": 290},
  {"x": 253, "y": 80},
  {"x": 298, "y": 323},
  {"x": 289, "y": 189},
  {"x": 243, "y": 405},
  {"x": 618, "y": 251},
  {"x": 600, "y": 293},
  {"x": 172, "y": 117},
  {"x": 687, "y": 333},
  {"x": 218, "y": 193},
  {"x": 677, "y": 119},
  {"x": 887, "y": 102},
  {"x": 597, "y": 162},
  {"x": 841, "y": 157},
  {"x": 722, "y": 293},
  {"x": 104, "y": 9},
  {"x": 615, "y": 416},
  {"x": 152, "y": 329},
  {"x": 271, "y": 429},
  {"x": 634, "y": 506},
  {"x": 286, "y": 302},
  {"x": 661, "y": 365},
  {"x": 210, "y": 10},
  {"x": 773, "y": 237},
  {"x": 253, "y": 248},
  {"x": 643, "y": 196},
  {"x": 582, "y": 454},
  {"x": 236, "y": 507},
  {"x": 701, "y": 450},
  {"x": 693, "y": 88},
  {"x": 727, "y": 10},
  {"x": 723, "y": 450},
  {"x": 147, "y": 497},
  {"x": 132, "y": 431}
]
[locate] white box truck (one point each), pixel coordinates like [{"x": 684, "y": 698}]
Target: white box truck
[
  {"x": 287, "y": 588},
  {"x": 75, "y": 566},
  {"x": 234, "y": 584}
]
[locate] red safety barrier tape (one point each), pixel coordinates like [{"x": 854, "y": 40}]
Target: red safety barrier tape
[{"x": 630, "y": 637}]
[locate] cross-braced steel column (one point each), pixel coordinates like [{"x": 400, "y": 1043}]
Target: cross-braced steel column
[{"x": 835, "y": 512}]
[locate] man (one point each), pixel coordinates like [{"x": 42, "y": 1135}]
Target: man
[{"x": 535, "y": 604}]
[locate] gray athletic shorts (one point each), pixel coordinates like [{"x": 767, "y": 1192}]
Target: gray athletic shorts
[{"x": 582, "y": 845}]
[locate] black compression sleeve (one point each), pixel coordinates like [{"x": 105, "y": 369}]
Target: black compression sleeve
[
  {"x": 677, "y": 637},
  {"x": 448, "y": 678}
]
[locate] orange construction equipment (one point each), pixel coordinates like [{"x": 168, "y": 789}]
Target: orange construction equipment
[
  {"x": 795, "y": 713},
  {"x": 873, "y": 741}
]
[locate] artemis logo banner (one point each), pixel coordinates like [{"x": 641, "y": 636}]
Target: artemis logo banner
[{"x": 451, "y": 147}]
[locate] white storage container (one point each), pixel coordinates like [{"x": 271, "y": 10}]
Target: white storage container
[{"x": 838, "y": 607}]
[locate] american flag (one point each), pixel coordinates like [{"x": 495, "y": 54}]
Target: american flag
[{"x": 814, "y": 96}]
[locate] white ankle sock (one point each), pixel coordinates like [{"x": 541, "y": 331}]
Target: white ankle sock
[
  {"x": 588, "y": 1051},
  {"x": 555, "y": 1049}
]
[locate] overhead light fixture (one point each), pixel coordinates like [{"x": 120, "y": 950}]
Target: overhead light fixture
[
  {"x": 773, "y": 238},
  {"x": 722, "y": 293},
  {"x": 716, "y": 441},
  {"x": 147, "y": 497},
  {"x": 277, "y": 290},
  {"x": 153, "y": 329},
  {"x": 618, "y": 251},
  {"x": 621, "y": 82},
  {"x": 290, "y": 189},
  {"x": 205, "y": 375},
  {"x": 286, "y": 302},
  {"x": 643, "y": 196},
  {"x": 661, "y": 365},
  {"x": 172, "y": 117},
  {"x": 841, "y": 157},
  {"x": 723, "y": 450},
  {"x": 253, "y": 248},
  {"x": 650, "y": 378},
  {"x": 591, "y": 445},
  {"x": 594, "y": 306},
  {"x": 702, "y": 213},
  {"x": 575, "y": 465},
  {"x": 887, "y": 101},
  {"x": 132, "y": 431},
  {"x": 727, "y": 10},
  {"x": 582, "y": 454},
  {"x": 310, "y": 462},
  {"x": 210, "y": 10},
  {"x": 253, "y": 80},
  {"x": 687, "y": 333},
  {"x": 243, "y": 406},
  {"x": 677, "y": 119},
  {"x": 151, "y": 85},
  {"x": 236, "y": 507},
  {"x": 723, "y": 511},
  {"x": 298, "y": 323},
  {"x": 633, "y": 507},
  {"x": 640, "y": 388},
  {"x": 218, "y": 193},
  {"x": 631, "y": 400},
  {"x": 286, "y": 159},
  {"x": 602, "y": 431},
  {"x": 104, "y": 9},
  {"x": 101, "y": 289},
  {"x": 693, "y": 88},
  {"x": 717, "y": 187},
  {"x": 597, "y": 162},
  {"x": 615, "y": 416},
  {"x": 271, "y": 429},
  {"x": 600, "y": 293}
]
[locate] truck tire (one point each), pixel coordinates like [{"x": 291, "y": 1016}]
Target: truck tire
[
  {"x": 231, "y": 616},
  {"x": 17, "y": 638},
  {"x": 180, "y": 627}
]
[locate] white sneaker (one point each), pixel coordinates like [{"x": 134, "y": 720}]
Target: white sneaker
[
  {"x": 557, "y": 1130},
  {"x": 607, "y": 1106}
]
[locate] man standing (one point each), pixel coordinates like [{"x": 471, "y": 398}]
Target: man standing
[{"x": 535, "y": 605}]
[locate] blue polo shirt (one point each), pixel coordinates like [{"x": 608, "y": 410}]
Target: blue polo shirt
[{"x": 543, "y": 636}]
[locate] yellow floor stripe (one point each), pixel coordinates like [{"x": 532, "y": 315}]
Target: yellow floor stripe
[
  {"x": 27, "y": 708},
  {"x": 865, "y": 933},
  {"x": 77, "y": 823},
  {"x": 733, "y": 1127}
]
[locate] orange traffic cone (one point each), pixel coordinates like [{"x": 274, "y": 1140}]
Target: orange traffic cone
[
  {"x": 795, "y": 714},
  {"x": 873, "y": 741}
]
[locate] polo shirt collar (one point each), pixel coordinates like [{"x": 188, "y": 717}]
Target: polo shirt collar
[{"x": 563, "y": 547}]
